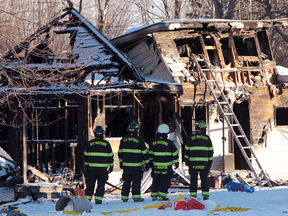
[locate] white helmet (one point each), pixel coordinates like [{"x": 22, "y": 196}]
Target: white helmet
[{"x": 163, "y": 128}]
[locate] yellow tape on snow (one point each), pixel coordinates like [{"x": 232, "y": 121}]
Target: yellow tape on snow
[
  {"x": 145, "y": 207},
  {"x": 72, "y": 213},
  {"x": 232, "y": 209}
]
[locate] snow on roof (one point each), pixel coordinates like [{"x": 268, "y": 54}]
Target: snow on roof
[
  {"x": 282, "y": 70},
  {"x": 104, "y": 40},
  {"x": 282, "y": 74},
  {"x": 5, "y": 161},
  {"x": 179, "y": 23},
  {"x": 148, "y": 79},
  {"x": 92, "y": 51}
]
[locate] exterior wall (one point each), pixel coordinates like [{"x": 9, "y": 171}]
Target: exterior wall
[
  {"x": 272, "y": 154},
  {"x": 273, "y": 158}
]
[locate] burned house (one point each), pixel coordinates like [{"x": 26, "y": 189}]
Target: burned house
[
  {"x": 238, "y": 55},
  {"x": 61, "y": 82},
  {"x": 51, "y": 100}
]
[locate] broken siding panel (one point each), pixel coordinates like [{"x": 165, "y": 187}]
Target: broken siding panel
[
  {"x": 169, "y": 52},
  {"x": 146, "y": 59},
  {"x": 177, "y": 68}
]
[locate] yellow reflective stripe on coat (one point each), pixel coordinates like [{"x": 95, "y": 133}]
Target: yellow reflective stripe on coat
[
  {"x": 198, "y": 159},
  {"x": 162, "y": 164},
  {"x": 201, "y": 148},
  {"x": 175, "y": 153},
  {"x": 162, "y": 154},
  {"x": 98, "y": 164},
  {"x": 100, "y": 154},
  {"x": 131, "y": 150},
  {"x": 132, "y": 164}
]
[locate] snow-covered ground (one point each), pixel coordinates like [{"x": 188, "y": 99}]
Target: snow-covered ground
[{"x": 264, "y": 201}]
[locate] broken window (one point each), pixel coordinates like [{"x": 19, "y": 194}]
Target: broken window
[
  {"x": 226, "y": 49},
  {"x": 186, "y": 46},
  {"x": 280, "y": 112},
  {"x": 117, "y": 121},
  {"x": 264, "y": 45},
  {"x": 245, "y": 46}
]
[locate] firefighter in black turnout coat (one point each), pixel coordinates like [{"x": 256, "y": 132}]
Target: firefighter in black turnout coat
[
  {"x": 98, "y": 157},
  {"x": 132, "y": 153},
  {"x": 199, "y": 157},
  {"x": 162, "y": 154}
]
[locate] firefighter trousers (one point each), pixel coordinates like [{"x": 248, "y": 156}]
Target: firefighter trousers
[
  {"x": 194, "y": 180},
  {"x": 92, "y": 176},
  {"x": 161, "y": 183},
  {"x": 135, "y": 179}
]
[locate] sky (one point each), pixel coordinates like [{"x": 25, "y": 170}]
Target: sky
[{"x": 263, "y": 202}]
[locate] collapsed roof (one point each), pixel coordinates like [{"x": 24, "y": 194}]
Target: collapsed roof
[
  {"x": 81, "y": 51},
  {"x": 238, "y": 51}
]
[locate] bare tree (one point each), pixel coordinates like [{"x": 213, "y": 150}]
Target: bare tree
[
  {"x": 102, "y": 14},
  {"x": 178, "y": 9},
  {"x": 71, "y": 3}
]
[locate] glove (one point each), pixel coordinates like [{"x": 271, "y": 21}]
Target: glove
[
  {"x": 86, "y": 168},
  {"x": 110, "y": 169},
  {"x": 121, "y": 166},
  {"x": 176, "y": 165},
  {"x": 146, "y": 167},
  {"x": 187, "y": 162},
  {"x": 209, "y": 164}
]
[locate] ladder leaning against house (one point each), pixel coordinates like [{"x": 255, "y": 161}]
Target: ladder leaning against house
[{"x": 231, "y": 119}]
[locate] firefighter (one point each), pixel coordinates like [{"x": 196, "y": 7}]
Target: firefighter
[
  {"x": 98, "y": 157},
  {"x": 162, "y": 154},
  {"x": 132, "y": 153},
  {"x": 198, "y": 155}
]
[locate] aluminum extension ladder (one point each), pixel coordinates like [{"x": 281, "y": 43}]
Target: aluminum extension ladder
[{"x": 231, "y": 119}]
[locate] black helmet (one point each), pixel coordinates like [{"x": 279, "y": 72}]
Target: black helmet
[
  {"x": 200, "y": 125},
  {"x": 133, "y": 127},
  {"x": 98, "y": 131}
]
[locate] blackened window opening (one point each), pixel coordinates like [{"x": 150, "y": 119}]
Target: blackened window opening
[
  {"x": 280, "y": 113},
  {"x": 264, "y": 46},
  {"x": 226, "y": 49},
  {"x": 245, "y": 46},
  {"x": 187, "y": 45}
]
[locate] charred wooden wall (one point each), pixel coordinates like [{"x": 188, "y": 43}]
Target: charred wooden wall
[{"x": 59, "y": 128}]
